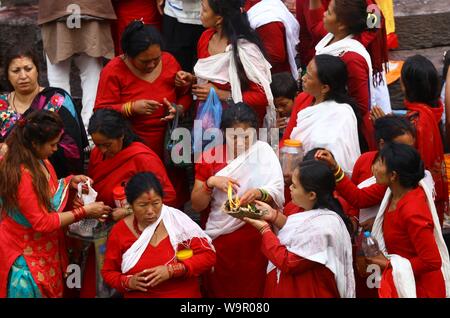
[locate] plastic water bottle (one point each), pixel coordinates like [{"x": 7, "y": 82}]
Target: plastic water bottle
[{"x": 370, "y": 245}]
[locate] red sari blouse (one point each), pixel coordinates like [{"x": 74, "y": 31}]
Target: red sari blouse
[
  {"x": 122, "y": 238},
  {"x": 118, "y": 85}
]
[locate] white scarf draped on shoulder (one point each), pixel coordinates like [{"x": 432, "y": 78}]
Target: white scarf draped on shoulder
[
  {"x": 180, "y": 228},
  {"x": 402, "y": 272},
  {"x": 221, "y": 68},
  {"x": 343, "y": 46},
  {"x": 332, "y": 126},
  {"x": 321, "y": 236},
  {"x": 267, "y": 11},
  {"x": 259, "y": 167}
]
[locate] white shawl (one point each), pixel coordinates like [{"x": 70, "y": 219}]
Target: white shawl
[
  {"x": 368, "y": 213},
  {"x": 332, "y": 126},
  {"x": 221, "y": 68},
  {"x": 268, "y": 11},
  {"x": 321, "y": 236},
  {"x": 180, "y": 228},
  {"x": 343, "y": 46},
  {"x": 259, "y": 167},
  {"x": 401, "y": 267}
]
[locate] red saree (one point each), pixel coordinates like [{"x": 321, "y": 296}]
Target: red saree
[
  {"x": 430, "y": 146},
  {"x": 118, "y": 85},
  {"x": 121, "y": 239},
  {"x": 129, "y": 10},
  {"x": 35, "y": 233},
  {"x": 135, "y": 158}
]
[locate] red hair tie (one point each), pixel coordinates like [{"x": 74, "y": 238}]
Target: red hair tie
[{"x": 22, "y": 122}]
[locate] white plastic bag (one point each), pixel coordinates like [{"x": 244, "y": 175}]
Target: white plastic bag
[{"x": 85, "y": 228}]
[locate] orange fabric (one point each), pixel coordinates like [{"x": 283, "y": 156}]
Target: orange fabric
[{"x": 395, "y": 71}]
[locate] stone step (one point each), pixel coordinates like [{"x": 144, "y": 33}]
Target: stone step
[{"x": 422, "y": 23}]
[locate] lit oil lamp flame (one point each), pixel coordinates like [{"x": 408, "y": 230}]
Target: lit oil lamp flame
[{"x": 236, "y": 203}]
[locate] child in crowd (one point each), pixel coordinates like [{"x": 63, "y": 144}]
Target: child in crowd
[{"x": 284, "y": 90}]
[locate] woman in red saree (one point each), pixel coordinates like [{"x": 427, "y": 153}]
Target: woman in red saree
[
  {"x": 298, "y": 267},
  {"x": 32, "y": 249},
  {"x": 253, "y": 168},
  {"x": 116, "y": 157},
  {"x": 421, "y": 86},
  {"x": 231, "y": 61},
  {"x": 141, "y": 85},
  {"x": 158, "y": 252},
  {"x": 420, "y": 83},
  {"x": 414, "y": 258},
  {"x": 363, "y": 51}
]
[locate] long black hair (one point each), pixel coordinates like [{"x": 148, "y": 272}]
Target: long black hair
[
  {"x": 112, "y": 125},
  {"x": 332, "y": 71},
  {"x": 138, "y": 37},
  {"x": 34, "y": 129},
  {"x": 421, "y": 81},
  {"x": 316, "y": 176},
  {"x": 236, "y": 26},
  {"x": 140, "y": 183},
  {"x": 405, "y": 161}
]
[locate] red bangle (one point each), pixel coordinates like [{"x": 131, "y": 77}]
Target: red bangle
[
  {"x": 79, "y": 213},
  {"x": 125, "y": 282},
  {"x": 206, "y": 188},
  {"x": 176, "y": 270}
]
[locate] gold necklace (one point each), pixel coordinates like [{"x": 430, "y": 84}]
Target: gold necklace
[{"x": 13, "y": 102}]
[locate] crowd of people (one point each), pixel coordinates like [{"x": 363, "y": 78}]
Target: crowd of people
[{"x": 309, "y": 71}]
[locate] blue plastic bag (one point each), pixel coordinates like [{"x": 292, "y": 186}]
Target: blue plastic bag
[{"x": 210, "y": 115}]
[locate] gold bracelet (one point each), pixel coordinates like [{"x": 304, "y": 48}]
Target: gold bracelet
[
  {"x": 125, "y": 109},
  {"x": 339, "y": 170},
  {"x": 130, "y": 109},
  {"x": 340, "y": 177}
]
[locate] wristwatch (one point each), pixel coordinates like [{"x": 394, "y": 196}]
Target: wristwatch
[{"x": 128, "y": 209}]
